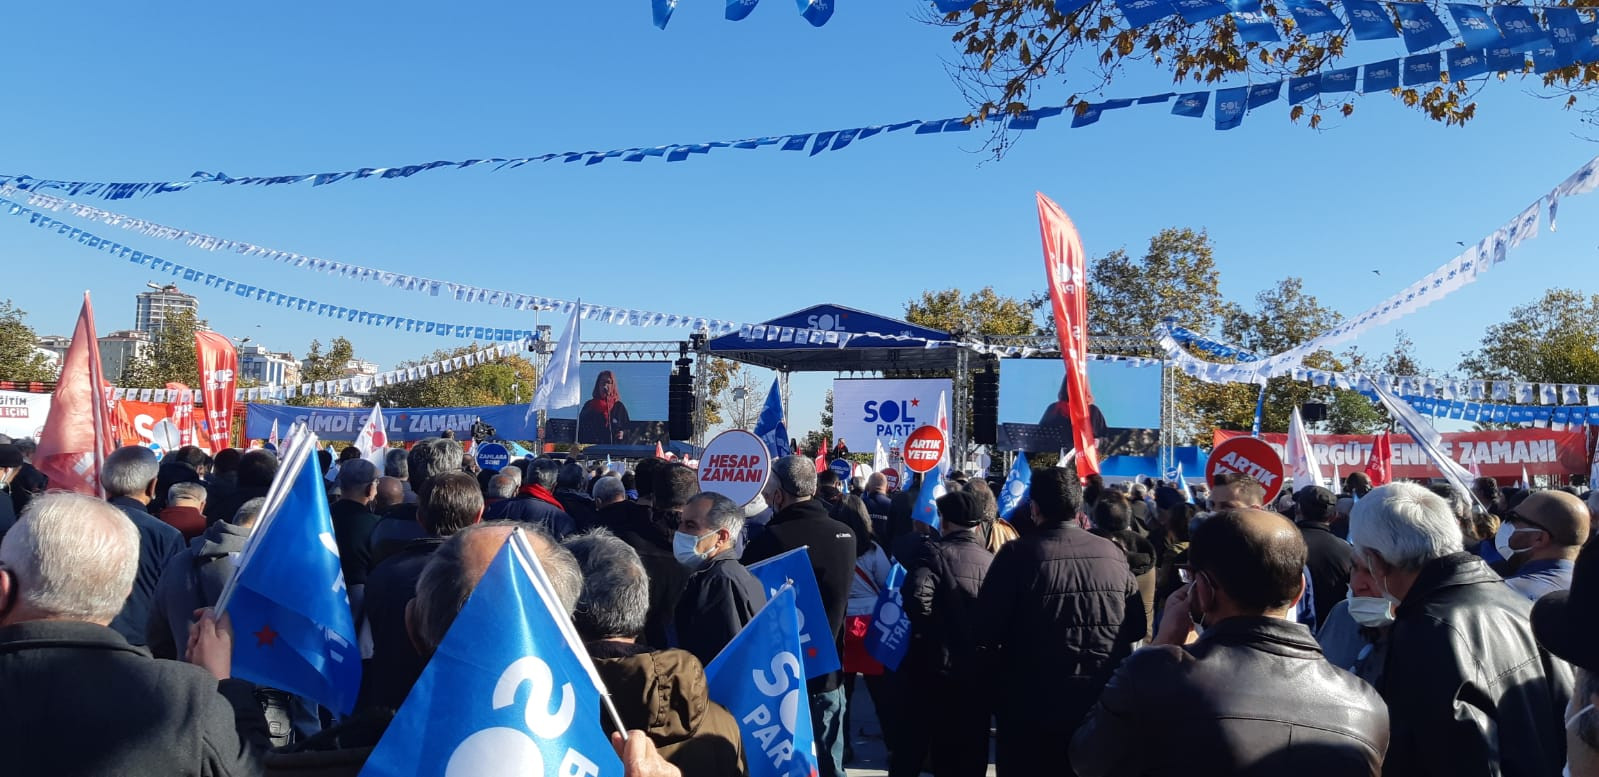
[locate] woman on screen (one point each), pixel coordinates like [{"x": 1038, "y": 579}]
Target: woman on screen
[
  {"x": 1059, "y": 414},
  {"x": 603, "y": 419}
]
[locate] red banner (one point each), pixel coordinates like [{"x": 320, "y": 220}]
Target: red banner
[
  {"x": 1500, "y": 454},
  {"x": 1065, "y": 266},
  {"x": 1380, "y": 467},
  {"x": 219, "y": 372},
  {"x": 181, "y": 411}
]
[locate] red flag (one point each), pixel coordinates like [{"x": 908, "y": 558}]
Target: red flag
[
  {"x": 1380, "y": 467},
  {"x": 77, "y": 433},
  {"x": 219, "y": 372},
  {"x": 181, "y": 411},
  {"x": 821, "y": 455},
  {"x": 659, "y": 454},
  {"x": 1065, "y": 267}
]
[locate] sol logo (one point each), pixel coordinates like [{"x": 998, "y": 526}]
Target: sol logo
[{"x": 506, "y": 750}]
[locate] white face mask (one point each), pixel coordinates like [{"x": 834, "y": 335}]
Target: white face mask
[
  {"x": 1502, "y": 540},
  {"x": 686, "y": 548},
  {"x": 1372, "y": 612}
]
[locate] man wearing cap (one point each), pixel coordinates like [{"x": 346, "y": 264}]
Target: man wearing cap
[
  {"x": 1541, "y": 538},
  {"x": 1329, "y": 557},
  {"x": 1564, "y": 624}
]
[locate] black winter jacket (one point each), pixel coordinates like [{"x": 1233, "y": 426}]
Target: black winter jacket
[
  {"x": 831, "y": 547},
  {"x": 580, "y": 508},
  {"x": 941, "y": 599},
  {"x": 719, "y": 599},
  {"x": 158, "y": 542},
  {"x": 1329, "y": 561},
  {"x": 79, "y": 700},
  {"x": 1469, "y": 689},
  {"x": 530, "y": 510},
  {"x": 650, "y": 533},
  {"x": 1059, "y": 611},
  {"x": 1253, "y": 697}
]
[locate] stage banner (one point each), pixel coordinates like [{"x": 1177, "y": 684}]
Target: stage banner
[
  {"x": 404, "y": 424},
  {"x": 622, "y": 403},
  {"x": 1497, "y": 454},
  {"x": 22, "y": 414},
  {"x": 887, "y": 410}
]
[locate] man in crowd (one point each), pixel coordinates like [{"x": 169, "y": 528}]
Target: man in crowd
[
  {"x": 1232, "y": 491},
  {"x": 941, "y": 671},
  {"x": 1564, "y": 624},
  {"x": 801, "y": 520},
  {"x": 1113, "y": 520},
  {"x": 391, "y": 493},
  {"x": 536, "y": 503},
  {"x": 650, "y": 531},
  {"x": 397, "y": 465},
  {"x": 1253, "y": 695},
  {"x": 721, "y": 595},
  {"x": 501, "y": 487},
  {"x": 448, "y": 503},
  {"x": 662, "y": 692},
  {"x": 608, "y": 491},
  {"x": 128, "y": 478},
  {"x": 400, "y": 525},
  {"x": 29, "y": 482},
  {"x": 1541, "y": 538},
  {"x": 876, "y": 497},
  {"x": 10, "y": 471},
  {"x": 1327, "y": 557},
  {"x": 1469, "y": 691},
  {"x": 195, "y": 578},
  {"x": 79, "y": 699},
  {"x": 185, "y": 510},
  {"x": 254, "y": 476},
  {"x": 353, "y": 522},
  {"x": 574, "y": 498},
  {"x": 1060, "y": 610}
]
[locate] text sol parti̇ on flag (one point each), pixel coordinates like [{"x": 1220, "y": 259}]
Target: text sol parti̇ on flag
[
  {"x": 1065, "y": 266},
  {"x": 219, "y": 374}
]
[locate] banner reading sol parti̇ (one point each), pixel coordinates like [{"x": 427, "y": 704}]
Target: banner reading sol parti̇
[{"x": 1497, "y": 454}]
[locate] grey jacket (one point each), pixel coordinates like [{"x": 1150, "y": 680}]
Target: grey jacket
[{"x": 191, "y": 580}]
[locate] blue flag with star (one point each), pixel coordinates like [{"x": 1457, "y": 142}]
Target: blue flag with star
[
  {"x": 1018, "y": 484},
  {"x": 769, "y": 427},
  {"x": 504, "y": 693},
  {"x": 816, "y": 633},
  {"x": 290, "y": 610},
  {"x": 925, "y": 508},
  {"x": 758, "y": 678}
]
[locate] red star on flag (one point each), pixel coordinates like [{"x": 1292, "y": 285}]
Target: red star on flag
[
  {"x": 810, "y": 652},
  {"x": 266, "y": 636}
]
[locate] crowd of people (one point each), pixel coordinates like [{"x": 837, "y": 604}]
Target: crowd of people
[{"x": 1130, "y": 629}]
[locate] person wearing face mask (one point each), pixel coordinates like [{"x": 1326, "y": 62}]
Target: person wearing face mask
[
  {"x": 721, "y": 595},
  {"x": 1564, "y": 624},
  {"x": 1469, "y": 690},
  {"x": 1251, "y": 695},
  {"x": 1540, "y": 539}
]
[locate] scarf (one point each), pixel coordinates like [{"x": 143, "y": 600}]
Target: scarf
[{"x": 540, "y": 493}]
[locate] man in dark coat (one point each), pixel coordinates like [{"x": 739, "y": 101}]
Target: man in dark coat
[
  {"x": 1060, "y": 611},
  {"x": 353, "y": 523},
  {"x": 79, "y": 699},
  {"x": 571, "y": 491},
  {"x": 256, "y": 470},
  {"x": 29, "y": 482},
  {"x": 128, "y": 477},
  {"x": 800, "y": 520},
  {"x": 650, "y": 531},
  {"x": 399, "y": 524},
  {"x": 1329, "y": 558},
  {"x": 721, "y": 595},
  {"x": 1253, "y": 696},
  {"x": 10, "y": 470},
  {"x": 1469, "y": 689},
  {"x": 535, "y": 502},
  {"x": 941, "y": 671}
]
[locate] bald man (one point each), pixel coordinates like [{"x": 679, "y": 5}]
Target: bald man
[
  {"x": 391, "y": 492},
  {"x": 1542, "y": 536},
  {"x": 1252, "y": 694}
]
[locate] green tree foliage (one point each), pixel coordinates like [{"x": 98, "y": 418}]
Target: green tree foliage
[
  {"x": 18, "y": 359},
  {"x": 736, "y": 398},
  {"x": 323, "y": 366},
  {"x": 502, "y": 382},
  {"x": 982, "y": 312},
  {"x": 720, "y": 374},
  {"x": 1011, "y": 49},
  {"x": 170, "y": 357},
  {"x": 1552, "y": 340},
  {"x": 1176, "y": 277}
]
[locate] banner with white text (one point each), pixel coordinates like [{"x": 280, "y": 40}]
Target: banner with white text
[{"x": 1497, "y": 454}]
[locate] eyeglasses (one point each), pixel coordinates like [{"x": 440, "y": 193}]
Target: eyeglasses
[{"x": 1515, "y": 517}]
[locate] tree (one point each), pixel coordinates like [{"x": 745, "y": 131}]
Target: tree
[
  {"x": 1176, "y": 277},
  {"x": 1552, "y": 340},
  {"x": 982, "y": 312},
  {"x": 815, "y": 438},
  {"x": 719, "y": 376},
  {"x": 1009, "y": 49},
  {"x": 20, "y": 359},
  {"x": 170, "y": 357},
  {"x": 740, "y": 400},
  {"x": 319, "y": 366},
  {"x": 507, "y": 381}
]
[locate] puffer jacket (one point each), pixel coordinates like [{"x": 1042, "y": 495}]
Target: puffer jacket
[
  {"x": 1469, "y": 689},
  {"x": 1141, "y": 562},
  {"x": 191, "y": 580},
  {"x": 1059, "y": 611},
  {"x": 664, "y": 694},
  {"x": 941, "y": 599}
]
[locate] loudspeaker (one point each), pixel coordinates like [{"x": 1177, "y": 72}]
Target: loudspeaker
[
  {"x": 680, "y": 403},
  {"x": 985, "y": 407},
  {"x": 1313, "y": 412}
]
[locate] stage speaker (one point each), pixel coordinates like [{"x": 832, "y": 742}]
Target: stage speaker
[
  {"x": 985, "y": 407},
  {"x": 1313, "y": 412},
  {"x": 680, "y": 403}
]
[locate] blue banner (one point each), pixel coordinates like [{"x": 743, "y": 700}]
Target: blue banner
[
  {"x": 1520, "y": 27},
  {"x": 1018, "y": 485},
  {"x": 1140, "y": 13},
  {"x": 1477, "y": 26},
  {"x": 737, "y": 10},
  {"x": 1465, "y": 63},
  {"x": 1369, "y": 20},
  {"x": 1261, "y": 94},
  {"x": 925, "y": 508},
  {"x": 793, "y": 570},
  {"x": 1254, "y": 26},
  {"x": 405, "y": 424},
  {"x": 1191, "y": 104},
  {"x": 1421, "y": 69},
  {"x": 817, "y": 12},
  {"x": 1341, "y": 80},
  {"x": 469, "y": 713},
  {"x": 1230, "y": 104},
  {"x": 1381, "y": 77},
  {"x": 1302, "y": 89},
  {"x": 758, "y": 678},
  {"x": 1313, "y": 17},
  {"x": 1421, "y": 27},
  {"x": 1503, "y": 58},
  {"x": 889, "y": 636}
]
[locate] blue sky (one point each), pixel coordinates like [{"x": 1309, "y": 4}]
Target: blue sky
[{"x": 103, "y": 90}]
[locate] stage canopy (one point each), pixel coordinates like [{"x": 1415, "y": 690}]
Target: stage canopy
[{"x": 860, "y": 354}]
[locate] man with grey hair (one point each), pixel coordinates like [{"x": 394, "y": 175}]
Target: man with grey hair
[
  {"x": 1469, "y": 689},
  {"x": 662, "y": 692},
  {"x": 128, "y": 477},
  {"x": 185, "y": 508},
  {"x": 721, "y": 595},
  {"x": 501, "y": 487},
  {"x": 426, "y": 460},
  {"x": 608, "y": 491},
  {"x": 397, "y": 465},
  {"x": 535, "y": 502},
  {"x": 801, "y": 520},
  {"x": 81, "y": 700}
]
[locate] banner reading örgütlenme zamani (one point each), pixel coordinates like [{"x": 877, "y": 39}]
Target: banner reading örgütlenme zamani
[
  {"x": 1065, "y": 266},
  {"x": 219, "y": 374}
]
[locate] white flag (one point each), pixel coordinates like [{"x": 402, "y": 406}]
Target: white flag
[
  {"x": 1427, "y": 437},
  {"x": 559, "y": 385},
  {"x": 943, "y": 426},
  {"x": 879, "y": 457},
  {"x": 1301, "y": 458},
  {"x": 373, "y": 441}
]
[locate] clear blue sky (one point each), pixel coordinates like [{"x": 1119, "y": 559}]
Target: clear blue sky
[{"x": 116, "y": 91}]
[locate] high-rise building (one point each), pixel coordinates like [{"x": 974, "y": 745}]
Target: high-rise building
[
  {"x": 120, "y": 349},
  {"x": 268, "y": 368},
  {"x": 160, "y": 303}
]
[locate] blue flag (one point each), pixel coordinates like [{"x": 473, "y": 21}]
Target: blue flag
[
  {"x": 817, "y": 12},
  {"x": 793, "y": 569},
  {"x": 757, "y": 678},
  {"x": 1477, "y": 26},
  {"x": 738, "y": 9},
  {"x": 1369, "y": 20},
  {"x": 1313, "y": 16},
  {"x": 925, "y": 508},
  {"x": 289, "y": 606},
  {"x": 468, "y": 712},
  {"x": 890, "y": 633},
  {"x": 769, "y": 427},
  {"x": 662, "y": 10},
  {"x": 1018, "y": 484},
  {"x": 1421, "y": 27}
]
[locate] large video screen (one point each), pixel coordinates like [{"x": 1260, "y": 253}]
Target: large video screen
[
  {"x": 1126, "y": 412},
  {"x": 888, "y": 409},
  {"x": 623, "y": 403}
]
